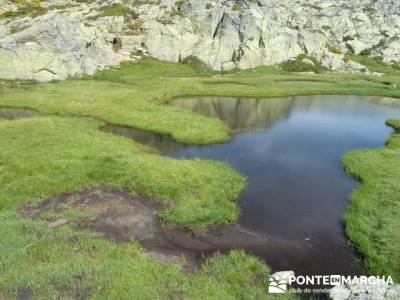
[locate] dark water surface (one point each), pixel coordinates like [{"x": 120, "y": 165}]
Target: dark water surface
[
  {"x": 161, "y": 142},
  {"x": 290, "y": 150}
]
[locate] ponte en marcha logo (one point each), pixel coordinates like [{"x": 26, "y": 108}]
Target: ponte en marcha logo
[{"x": 287, "y": 282}]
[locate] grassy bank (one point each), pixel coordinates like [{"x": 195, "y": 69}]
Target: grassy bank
[
  {"x": 373, "y": 218},
  {"x": 69, "y": 264},
  {"x": 47, "y": 156},
  {"x": 44, "y": 156},
  {"x": 64, "y": 151},
  {"x": 131, "y": 95}
]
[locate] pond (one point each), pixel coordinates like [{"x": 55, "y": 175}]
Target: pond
[{"x": 290, "y": 150}]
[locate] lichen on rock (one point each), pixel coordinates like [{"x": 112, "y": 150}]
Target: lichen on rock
[{"x": 76, "y": 38}]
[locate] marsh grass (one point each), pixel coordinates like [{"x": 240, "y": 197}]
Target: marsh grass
[
  {"x": 373, "y": 218},
  {"x": 54, "y": 155},
  {"x": 70, "y": 264},
  {"x": 65, "y": 151},
  {"x": 44, "y": 156}
]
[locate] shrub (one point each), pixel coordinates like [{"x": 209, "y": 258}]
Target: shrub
[
  {"x": 236, "y": 7},
  {"x": 335, "y": 50},
  {"x": 195, "y": 63},
  {"x": 326, "y": 27},
  {"x": 175, "y": 13},
  {"x": 32, "y": 10},
  {"x": 366, "y": 52},
  {"x": 348, "y": 38},
  {"x": 299, "y": 65},
  {"x": 136, "y": 26}
]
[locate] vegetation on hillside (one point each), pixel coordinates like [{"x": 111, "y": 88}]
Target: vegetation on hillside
[{"x": 303, "y": 63}]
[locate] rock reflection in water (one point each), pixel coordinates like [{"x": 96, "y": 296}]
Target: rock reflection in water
[
  {"x": 297, "y": 189},
  {"x": 240, "y": 114}
]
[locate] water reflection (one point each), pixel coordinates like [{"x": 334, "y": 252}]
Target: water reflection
[
  {"x": 297, "y": 189},
  {"x": 240, "y": 114},
  {"x": 290, "y": 150},
  {"x": 162, "y": 142}
]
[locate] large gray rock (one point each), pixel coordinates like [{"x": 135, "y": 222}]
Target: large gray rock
[
  {"x": 224, "y": 34},
  {"x": 391, "y": 54},
  {"x": 356, "y": 47},
  {"x": 55, "y": 47},
  {"x": 244, "y": 34}
]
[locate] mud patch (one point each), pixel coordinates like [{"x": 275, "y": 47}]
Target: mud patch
[
  {"x": 120, "y": 217},
  {"x": 24, "y": 294}
]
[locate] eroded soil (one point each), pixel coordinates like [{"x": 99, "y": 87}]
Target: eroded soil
[{"x": 121, "y": 217}]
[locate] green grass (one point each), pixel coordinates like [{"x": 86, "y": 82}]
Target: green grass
[
  {"x": 45, "y": 156},
  {"x": 118, "y": 104},
  {"x": 69, "y": 264},
  {"x": 236, "y": 7},
  {"x": 131, "y": 95},
  {"x": 373, "y": 218},
  {"x": 25, "y": 11},
  {"x": 375, "y": 65},
  {"x": 115, "y": 10},
  {"x": 64, "y": 151},
  {"x": 299, "y": 65}
]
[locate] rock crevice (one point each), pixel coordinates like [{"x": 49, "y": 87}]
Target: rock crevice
[{"x": 223, "y": 34}]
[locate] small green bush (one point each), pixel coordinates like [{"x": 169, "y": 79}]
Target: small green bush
[
  {"x": 335, "y": 50},
  {"x": 175, "y": 13},
  {"x": 195, "y": 63},
  {"x": 116, "y": 10},
  {"x": 135, "y": 27},
  {"x": 298, "y": 65},
  {"x": 326, "y": 28},
  {"x": 25, "y": 11},
  {"x": 366, "y": 52},
  {"x": 348, "y": 38},
  {"x": 236, "y": 7}
]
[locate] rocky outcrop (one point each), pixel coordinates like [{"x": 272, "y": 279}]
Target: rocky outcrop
[
  {"x": 71, "y": 38},
  {"x": 244, "y": 34},
  {"x": 55, "y": 47}
]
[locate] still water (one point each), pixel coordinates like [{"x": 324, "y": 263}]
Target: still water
[{"x": 290, "y": 150}]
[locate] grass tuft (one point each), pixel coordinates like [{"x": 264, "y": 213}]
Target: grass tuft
[{"x": 373, "y": 218}]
